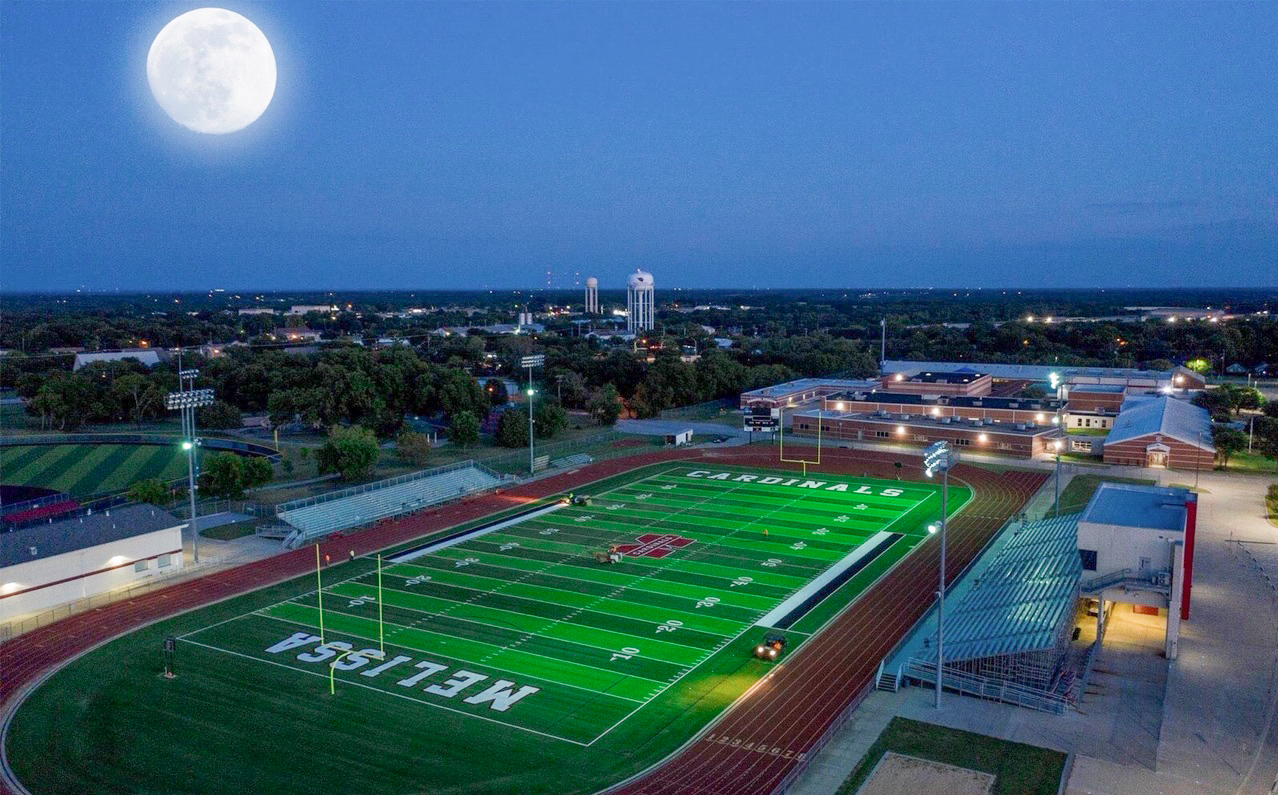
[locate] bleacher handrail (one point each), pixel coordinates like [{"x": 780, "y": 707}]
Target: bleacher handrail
[
  {"x": 378, "y": 485},
  {"x": 989, "y": 688}
]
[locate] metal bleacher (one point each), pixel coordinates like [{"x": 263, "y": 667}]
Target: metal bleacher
[
  {"x": 570, "y": 461},
  {"x": 316, "y": 517}
]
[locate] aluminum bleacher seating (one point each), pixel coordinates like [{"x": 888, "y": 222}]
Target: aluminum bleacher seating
[{"x": 314, "y": 519}]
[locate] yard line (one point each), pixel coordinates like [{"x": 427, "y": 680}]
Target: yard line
[{"x": 467, "y": 641}]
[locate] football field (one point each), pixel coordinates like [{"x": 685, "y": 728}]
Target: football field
[{"x": 519, "y": 622}]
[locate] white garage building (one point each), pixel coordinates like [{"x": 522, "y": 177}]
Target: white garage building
[{"x": 46, "y": 565}]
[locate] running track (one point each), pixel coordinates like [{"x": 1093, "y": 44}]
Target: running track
[{"x": 781, "y": 722}]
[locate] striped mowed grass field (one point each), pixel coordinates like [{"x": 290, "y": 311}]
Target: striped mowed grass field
[{"x": 84, "y": 469}]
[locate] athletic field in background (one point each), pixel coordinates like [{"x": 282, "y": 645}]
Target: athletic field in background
[
  {"x": 85, "y": 469},
  {"x": 485, "y": 663}
]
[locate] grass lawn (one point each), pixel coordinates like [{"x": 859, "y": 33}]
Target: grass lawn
[
  {"x": 1253, "y": 462},
  {"x": 1018, "y": 769},
  {"x": 230, "y": 532},
  {"x": 85, "y": 469},
  {"x": 513, "y": 661},
  {"x": 1082, "y": 487}
]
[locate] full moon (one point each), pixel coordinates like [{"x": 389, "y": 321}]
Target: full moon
[{"x": 212, "y": 71}]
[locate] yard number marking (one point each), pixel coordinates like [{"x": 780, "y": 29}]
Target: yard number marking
[
  {"x": 709, "y": 601},
  {"x": 465, "y": 562},
  {"x": 799, "y": 545},
  {"x": 669, "y": 626},
  {"x": 741, "y": 581},
  {"x": 625, "y": 654},
  {"x": 549, "y": 532},
  {"x": 820, "y": 531},
  {"x": 508, "y": 546},
  {"x": 771, "y": 563},
  {"x": 360, "y": 601},
  {"x": 418, "y": 580}
]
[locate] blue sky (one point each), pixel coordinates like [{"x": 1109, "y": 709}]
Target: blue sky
[{"x": 468, "y": 145}]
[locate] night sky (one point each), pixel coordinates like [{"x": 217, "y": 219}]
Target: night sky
[{"x": 494, "y": 145}]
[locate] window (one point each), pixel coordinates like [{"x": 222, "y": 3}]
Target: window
[
  {"x": 163, "y": 561},
  {"x": 141, "y": 565},
  {"x": 962, "y": 442},
  {"x": 1088, "y": 556},
  {"x": 803, "y": 426},
  {"x": 883, "y": 434}
]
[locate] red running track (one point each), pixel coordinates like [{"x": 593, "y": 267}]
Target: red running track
[{"x": 790, "y": 712}]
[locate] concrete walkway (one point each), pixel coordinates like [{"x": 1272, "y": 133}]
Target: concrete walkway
[{"x": 1202, "y": 725}]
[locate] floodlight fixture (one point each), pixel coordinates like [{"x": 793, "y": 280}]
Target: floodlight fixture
[
  {"x": 1054, "y": 379},
  {"x": 535, "y": 360},
  {"x": 190, "y": 372},
  {"x": 186, "y": 445},
  {"x": 190, "y": 399}
]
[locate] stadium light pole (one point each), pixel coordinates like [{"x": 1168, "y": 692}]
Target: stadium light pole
[
  {"x": 530, "y": 431},
  {"x": 1055, "y": 380},
  {"x": 938, "y": 457},
  {"x": 186, "y": 401},
  {"x": 529, "y": 362}
]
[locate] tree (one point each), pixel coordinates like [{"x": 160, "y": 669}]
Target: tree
[
  {"x": 1228, "y": 441},
  {"x": 222, "y": 475},
  {"x": 464, "y": 429},
  {"x": 549, "y": 418},
  {"x": 497, "y": 395},
  {"x": 351, "y": 452},
  {"x": 219, "y": 416},
  {"x": 572, "y": 388},
  {"x": 1267, "y": 438},
  {"x": 512, "y": 428},
  {"x": 151, "y": 490},
  {"x": 457, "y": 391},
  {"x": 413, "y": 447},
  {"x": 139, "y": 395},
  {"x": 605, "y": 405},
  {"x": 257, "y": 471}
]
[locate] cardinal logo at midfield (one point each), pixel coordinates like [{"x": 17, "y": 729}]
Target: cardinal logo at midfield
[{"x": 654, "y": 545}]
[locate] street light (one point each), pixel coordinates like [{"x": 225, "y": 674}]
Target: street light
[
  {"x": 186, "y": 402},
  {"x": 939, "y": 457}
]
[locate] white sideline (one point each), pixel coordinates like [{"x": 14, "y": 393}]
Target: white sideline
[
  {"x": 476, "y": 533},
  {"x": 782, "y": 610}
]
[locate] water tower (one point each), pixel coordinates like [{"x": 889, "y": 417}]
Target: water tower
[
  {"x": 592, "y": 296},
  {"x": 640, "y": 304}
]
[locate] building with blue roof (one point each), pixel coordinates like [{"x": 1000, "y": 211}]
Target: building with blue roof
[
  {"x": 1162, "y": 431},
  {"x": 1136, "y": 546}
]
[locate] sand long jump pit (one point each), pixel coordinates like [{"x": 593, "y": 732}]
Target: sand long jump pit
[{"x": 898, "y": 773}]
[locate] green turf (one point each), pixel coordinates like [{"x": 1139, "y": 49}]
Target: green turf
[
  {"x": 601, "y": 669},
  {"x": 1018, "y": 769},
  {"x": 82, "y": 470}
]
